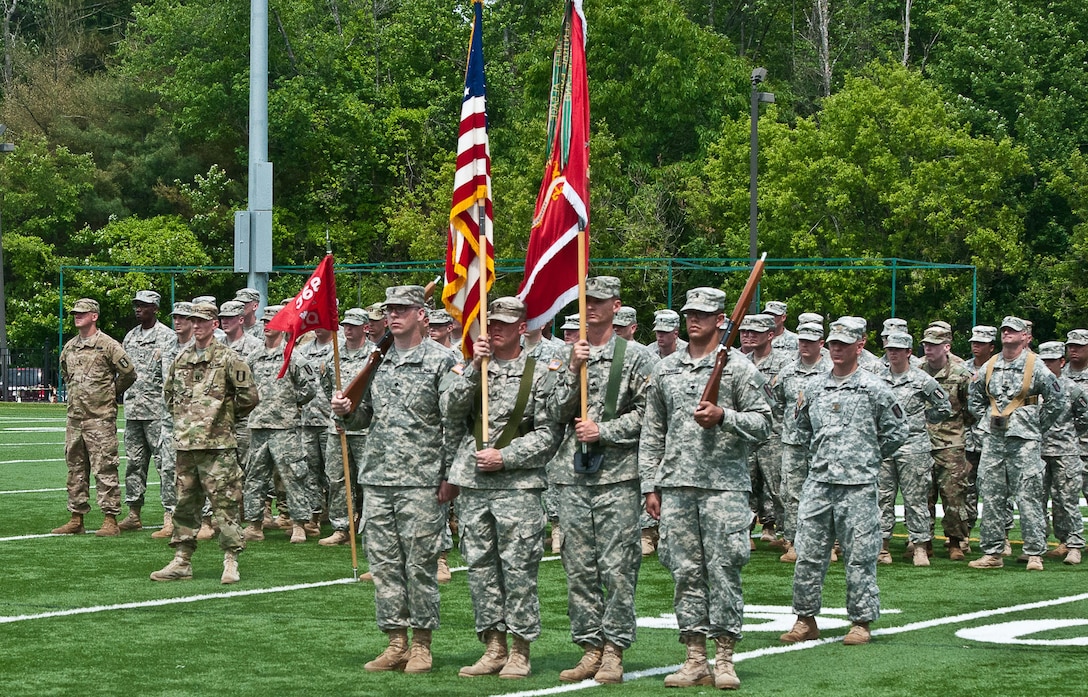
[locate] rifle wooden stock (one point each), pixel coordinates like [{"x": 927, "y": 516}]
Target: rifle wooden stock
[
  {"x": 361, "y": 381},
  {"x": 730, "y": 330}
]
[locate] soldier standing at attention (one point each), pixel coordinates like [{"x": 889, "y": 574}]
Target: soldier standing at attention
[
  {"x": 440, "y": 328},
  {"x": 316, "y": 417},
  {"x": 851, "y": 420},
  {"x": 250, "y": 299},
  {"x": 693, "y": 465},
  {"x": 206, "y": 388},
  {"x": 625, "y": 323},
  {"x": 96, "y": 371},
  {"x": 232, "y": 322},
  {"x": 149, "y": 345},
  {"x": 784, "y": 339},
  {"x": 599, "y": 507},
  {"x": 667, "y": 331},
  {"x": 404, "y": 481},
  {"x": 983, "y": 345},
  {"x": 1076, "y": 369}
]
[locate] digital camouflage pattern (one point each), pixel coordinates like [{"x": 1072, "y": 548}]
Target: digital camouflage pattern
[
  {"x": 144, "y": 410},
  {"x": 765, "y": 461},
  {"x": 1064, "y": 471},
  {"x": 247, "y": 344},
  {"x": 786, "y": 341},
  {"x": 281, "y": 400}
]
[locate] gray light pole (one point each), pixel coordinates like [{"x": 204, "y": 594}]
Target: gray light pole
[
  {"x": 759, "y": 75},
  {"x": 4, "y": 353}
]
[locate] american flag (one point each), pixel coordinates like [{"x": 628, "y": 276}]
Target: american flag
[{"x": 471, "y": 209}]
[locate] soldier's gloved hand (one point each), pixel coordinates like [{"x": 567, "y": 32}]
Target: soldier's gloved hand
[
  {"x": 579, "y": 354},
  {"x": 489, "y": 460},
  {"x": 708, "y": 414},
  {"x": 653, "y": 505}
]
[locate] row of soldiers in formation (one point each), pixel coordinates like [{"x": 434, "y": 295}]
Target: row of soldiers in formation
[{"x": 814, "y": 446}]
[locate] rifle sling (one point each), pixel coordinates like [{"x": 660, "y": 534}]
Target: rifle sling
[
  {"x": 1022, "y": 397},
  {"x": 513, "y": 426}
]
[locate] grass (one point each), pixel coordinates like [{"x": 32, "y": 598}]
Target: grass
[{"x": 314, "y": 641}]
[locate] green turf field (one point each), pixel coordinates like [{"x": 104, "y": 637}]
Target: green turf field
[{"x": 78, "y": 616}]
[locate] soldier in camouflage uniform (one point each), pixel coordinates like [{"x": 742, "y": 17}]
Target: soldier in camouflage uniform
[
  {"x": 570, "y": 328},
  {"x": 693, "y": 466},
  {"x": 403, "y": 474},
  {"x": 625, "y": 323},
  {"x": 910, "y": 468},
  {"x": 440, "y": 328},
  {"x": 784, "y": 339},
  {"x": 232, "y": 322},
  {"x": 206, "y": 388},
  {"x": 502, "y": 521},
  {"x": 149, "y": 345},
  {"x": 274, "y": 435},
  {"x": 667, "y": 330},
  {"x": 376, "y": 322},
  {"x": 599, "y": 510},
  {"x": 983, "y": 345},
  {"x": 251, "y": 301},
  {"x": 1011, "y": 467},
  {"x": 316, "y": 417},
  {"x": 851, "y": 421},
  {"x": 96, "y": 371},
  {"x": 950, "y": 466},
  {"x": 1076, "y": 369}
]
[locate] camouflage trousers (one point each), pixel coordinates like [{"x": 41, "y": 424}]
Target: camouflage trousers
[
  {"x": 273, "y": 449},
  {"x": 1062, "y": 480},
  {"x": 334, "y": 476},
  {"x": 973, "y": 457},
  {"x": 502, "y": 540},
  {"x": 765, "y": 469},
  {"x": 144, "y": 440},
  {"x": 794, "y": 472},
  {"x": 950, "y": 470},
  {"x": 704, "y": 544},
  {"x": 601, "y": 555},
  {"x": 216, "y": 475},
  {"x": 850, "y": 514},
  {"x": 912, "y": 474},
  {"x": 550, "y": 500},
  {"x": 403, "y": 530},
  {"x": 90, "y": 446},
  {"x": 314, "y": 444},
  {"x": 1011, "y": 469}
]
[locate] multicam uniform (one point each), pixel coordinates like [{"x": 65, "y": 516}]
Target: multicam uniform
[
  {"x": 149, "y": 350},
  {"x": 951, "y": 470}
]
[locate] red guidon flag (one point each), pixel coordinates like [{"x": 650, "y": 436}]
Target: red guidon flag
[
  {"x": 470, "y": 231},
  {"x": 313, "y": 308},
  {"x": 562, "y": 206}
]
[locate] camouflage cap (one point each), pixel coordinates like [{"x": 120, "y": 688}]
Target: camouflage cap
[
  {"x": 182, "y": 309},
  {"x": 848, "y": 330},
  {"x": 983, "y": 334},
  {"x": 509, "y": 310},
  {"x": 757, "y": 323},
  {"x": 204, "y": 311},
  {"x": 148, "y": 297},
  {"x": 810, "y": 318},
  {"x": 439, "y": 317},
  {"x": 1015, "y": 323},
  {"x": 774, "y": 307},
  {"x": 85, "y": 305},
  {"x": 287, "y": 301},
  {"x": 375, "y": 312},
  {"x": 705, "y": 300},
  {"x": 356, "y": 317},
  {"x": 247, "y": 295},
  {"x": 209, "y": 299},
  {"x": 1078, "y": 337},
  {"x": 940, "y": 324},
  {"x": 603, "y": 287},
  {"x": 894, "y": 324},
  {"x": 937, "y": 335},
  {"x": 408, "y": 296},
  {"x": 625, "y": 317},
  {"x": 232, "y": 308},
  {"x": 810, "y": 331},
  {"x": 271, "y": 311},
  {"x": 666, "y": 321},
  {"x": 899, "y": 340},
  {"x": 1051, "y": 349},
  {"x": 571, "y": 322}
]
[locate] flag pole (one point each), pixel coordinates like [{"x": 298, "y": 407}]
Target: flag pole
[
  {"x": 347, "y": 467},
  {"x": 481, "y": 217},
  {"x": 583, "y": 375}
]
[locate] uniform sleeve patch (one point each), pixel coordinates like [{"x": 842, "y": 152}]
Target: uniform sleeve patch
[
  {"x": 897, "y": 410},
  {"x": 458, "y": 368},
  {"x": 555, "y": 364}
]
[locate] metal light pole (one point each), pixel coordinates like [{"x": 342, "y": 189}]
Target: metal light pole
[
  {"x": 4, "y": 353},
  {"x": 759, "y": 75}
]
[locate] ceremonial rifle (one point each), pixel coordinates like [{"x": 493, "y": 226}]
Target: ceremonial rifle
[{"x": 730, "y": 330}]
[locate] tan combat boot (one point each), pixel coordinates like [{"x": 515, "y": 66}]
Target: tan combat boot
[
  {"x": 987, "y": 561},
  {"x": 266, "y": 520},
  {"x": 649, "y": 540},
  {"x": 859, "y": 632},
  {"x": 367, "y": 577},
  {"x": 790, "y": 556},
  {"x": 73, "y": 527},
  {"x": 338, "y": 537},
  {"x": 132, "y": 520},
  {"x": 1073, "y": 558},
  {"x": 725, "y": 675},
  {"x": 179, "y": 568},
  {"x": 283, "y": 522},
  {"x": 804, "y": 629},
  {"x": 517, "y": 665},
  {"x": 494, "y": 657},
  {"x": 1058, "y": 552},
  {"x": 206, "y": 531},
  {"x": 921, "y": 558},
  {"x": 767, "y": 534},
  {"x": 298, "y": 534},
  {"x": 109, "y": 527},
  {"x": 167, "y": 530},
  {"x": 695, "y": 670},
  {"x": 395, "y": 655},
  {"x": 313, "y": 526},
  {"x": 557, "y": 538},
  {"x": 587, "y": 667},
  {"x": 1035, "y": 563},
  {"x": 1007, "y": 552},
  {"x": 230, "y": 568},
  {"x": 611, "y": 670},
  {"x": 835, "y": 550},
  {"x": 444, "y": 574},
  {"x": 885, "y": 556},
  {"x": 955, "y": 549},
  {"x": 254, "y": 532},
  {"x": 419, "y": 655}
]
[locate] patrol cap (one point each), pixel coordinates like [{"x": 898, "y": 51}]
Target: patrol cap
[
  {"x": 85, "y": 305},
  {"x": 508, "y": 310},
  {"x": 209, "y": 299},
  {"x": 1078, "y": 337},
  {"x": 182, "y": 309},
  {"x": 1015, "y": 323},
  {"x": 625, "y": 317},
  {"x": 439, "y": 317},
  {"x": 232, "y": 308},
  {"x": 757, "y": 323},
  {"x": 810, "y": 331},
  {"x": 984, "y": 333},
  {"x": 375, "y": 312},
  {"x": 603, "y": 287},
  {"x": 288, "y": 301},
  {"x": 204, "y": 311},
  {"x": 941, "y": 324},
  {"x": 148, "y": 297},
  {"x": 810, "y": 318},
  {"x": 247, "y": 295},
  {"x": 937, "y": 335},
  {"x": 705, "y": 300},
  {"x": 899, "y": 340},
  {"x": 774, "y": 307},
  {"x": 408, "y": 296},
  {"x": 356, "y": 317},
  {"x": 1051, "y": 349},
  {"x": 571, "y": 322},
  {"x": 271, "y": 311},
  {"x": 848, "y": 330},
  {"x": 894, "y": 324},
  {"x": 666, "y": 321}
]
